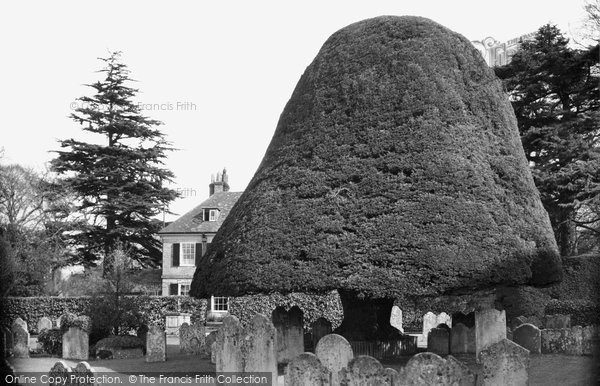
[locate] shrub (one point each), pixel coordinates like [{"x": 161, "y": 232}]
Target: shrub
[
  {"x": 71, "y": 320},
  {"x": 51, "y": 341},
  {"x": 583, "y": 312},
  {"x": 119, "y": 341}
]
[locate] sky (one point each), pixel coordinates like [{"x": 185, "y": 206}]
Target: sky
[{"x": 217, "y": 74}]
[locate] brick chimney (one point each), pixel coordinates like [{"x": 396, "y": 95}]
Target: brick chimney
[{"x": 219, "y": 184}]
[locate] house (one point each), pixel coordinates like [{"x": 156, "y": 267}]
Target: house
[{"x": 186, "y": 240}]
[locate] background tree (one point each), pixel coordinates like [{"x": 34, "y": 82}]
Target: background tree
[
  {"x": 554, "y": 93},
  {"x": 119, "y": 183}
]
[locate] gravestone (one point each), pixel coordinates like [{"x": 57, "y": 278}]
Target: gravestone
[
  {"x": 590, "y": 340},
  {"x": 438, "y": 341},
  {"x": 431, "y": 369},
  {"x": 290, "y": 333},
  {"x": 185, "y": 337},
  {"x": 306, "y": 370},
  {"x": 320, "y": 328},
  {"x": 58, "y": 373},
  {"x": 335, "y": 353},
  {"x": 20, "y": 339},
  {"x": 563, "y": 341},
  {"x": 528, "y": 336},
  {"x": 444, "y": 318},
  {"x": 213, "y": 352},
  {"x": 198, "y": 341},
  {"x": 44, "y": 324},
  {"x": 260, "y": 346},
  {"x": 505, "y": 363},
  {"x": 391, "y": 376},
  {"x": 557, "y": 321},
  {"x": 462, "y": 339},
  {"x": 85, "y": 372},
  {"x": 429, "y": 322},
  {"x": 363, "y": 370},
  {"x": 156, "y": 344},
  {"x": 490, "y": 328},
  {"x": 228, "y": 346},
  {"x": 75, "y": 344},
  {"x": 396, "y": 319}
]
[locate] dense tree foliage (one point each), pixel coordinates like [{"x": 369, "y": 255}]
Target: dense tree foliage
[
  {"x": 554, "y": 92},
  {"x": 118, "y": 184}
]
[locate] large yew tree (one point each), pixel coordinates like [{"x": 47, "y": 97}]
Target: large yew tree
[
  {"x": 554, "y": 92},
  {"x": 118, "y": 180}
]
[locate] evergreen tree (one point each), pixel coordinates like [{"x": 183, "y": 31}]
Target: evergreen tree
[
  {"x": 554, "y": 93},
  {"x": 118, "y": 183}
]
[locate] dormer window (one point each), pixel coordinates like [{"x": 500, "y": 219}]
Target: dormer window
[{"x": 210, "y": 214}]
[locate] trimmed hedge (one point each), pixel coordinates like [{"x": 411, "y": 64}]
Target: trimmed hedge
[
  {"x": 583, "y": 312},
  {"x": 120, "y": 342}
]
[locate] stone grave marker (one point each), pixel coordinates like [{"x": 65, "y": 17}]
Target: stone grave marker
[
  {"x": 557, "y": 321},
  {"x": 290, "y": 333},
  {"x": 505, "y": 363},
  {"x": 363, "y": 370},
  {"x": 260, "y": 346},
  {"x": 528, "y": 336},
  {"x": 335, "y": 353},
  {"x": 429, "y": 322},
  {"x": 213, "y": 352},
  {"x": 306, "y": 370},
  {"x": 44, "y": 324},
  {"x": 20, "y": 339},
  {"x": 228, "y": 346},
  {"x": 438, "y": 341},
  {"x": 490, "y": 328},
  {"x": 391, "y": 376},
  {"x": 462, "y": 339},
  {"x": 320, "y": 328},
  {"x": 563, "y": 341},
  {"x": 591, "y": 340},
  {"x": 86, "y": 373},
  {"x": 75, "y": 344},
  {"x": 58, "y": 373},
  {"x": 444, "y": 318},
  {"x": 396, "y": 319},
  {"x": 431, "y": 369},
  {"x": 156, "y": 344},
  {"x": 198, "y": 341}
]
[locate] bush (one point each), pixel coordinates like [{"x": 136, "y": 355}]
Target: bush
[
  {"x": 119, "y": 341},
  {"x": 51, "y": 341},
  {"x": 71, "y": 320},
  {"x": 583, "y": 312}
]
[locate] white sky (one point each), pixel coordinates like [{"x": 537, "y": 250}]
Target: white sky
[{"x": 236, "y": 63}]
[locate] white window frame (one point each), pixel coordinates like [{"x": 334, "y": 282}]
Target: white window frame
[
  {"x": 213, "y": 215},
  {"x": 214, "y": 300},
  {"x": 190, "y": 262},
  {"x": 181, "y": 285}
]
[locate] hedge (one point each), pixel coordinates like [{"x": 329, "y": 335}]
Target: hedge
[{"x": 583, "y": 312}]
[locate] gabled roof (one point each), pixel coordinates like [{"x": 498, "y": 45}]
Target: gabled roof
[{"x": 191, "y": 222}]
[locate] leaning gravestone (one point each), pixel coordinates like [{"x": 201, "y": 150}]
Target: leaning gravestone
[
  {"x": 505, "y": 363},
  {"x": 438, "y": 341},
  {"x": 20, "y": 339},
  {"x": 44, "y": 323},
  {"x": 431, "y": 369},
  {"x": 335, "y": 353},
  {"x": 320, "y": 328},
  {"x": 396, "y": 319},
  {"x": 306, "y": 370},
  {"x": 363, "y": 370},
  {"x": 228, "y": 346},
  {"x": 156, "y": 344},
  {"x": 557, "y": 321},
  {"x": 75, "y": 344},
  {"x": 462, "y": 339},
  {"x": 260, "y": 346},
  {"x": 528, "y": 336},
  {"x": 490, "y": 328},
  {"x": 58, "y": 373},
  {"x": 290, "y": 333}
]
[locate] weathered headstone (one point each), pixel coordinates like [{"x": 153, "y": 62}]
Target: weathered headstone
[
  {"x": 198, "y": 342},
  {"x": 335, "y": 353},
  {"x": 213, "y": 352},
  {"x": 85, "y": 374},
  {"x": 429, "y": 322},
  {"x": 260, "y": 346},
  {"x": 438, "y": 341},
  {"x": 431, "y": 369},
  {"x": 505, "y": 363},
  {"x": 306, "y": 370},
  {"x": 58, "y": 373},
  {"x": 563, "y": 341},
  {"x": 528, "y": 336},
  {"x": 591, "y": 340},
  {"x": 444, "y": 318},
  {"x": 490, "y": 328},
  {"x": 363, "y": 370},
  {"x": 557, "y": 321},
  {"x": 290, "y": 333},
  {"x": 20, "y": 339},
  {"x": 320, "y": 328},
  {"x": 391, "y": 376},
  {"x": 228, "y": 346},
  {"x": 396, "y": 319},
  {"x": 44, "y": 323},
  {"x": 185, "y": 337},
  {"x": 462, "y": 339},
  {"x": 75, "y": 344},
  {"x": 156, "y": 344}
]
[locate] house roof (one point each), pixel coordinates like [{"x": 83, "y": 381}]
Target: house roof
[{"x": 192, "y": 222}]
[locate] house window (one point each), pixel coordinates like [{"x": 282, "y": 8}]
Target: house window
[
  {"x": 188, "y": 254},
  {"x": 211, "y": 214},
  {"x": 219, "y": 303},
  {"x": 184, "y": 289},
  {"x": 172, "y": 322}
]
